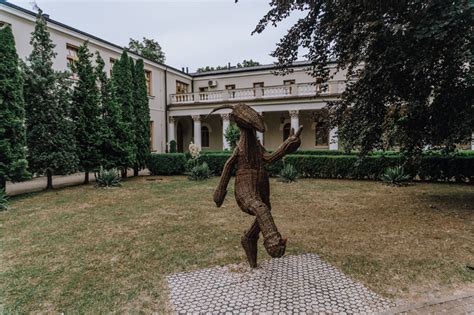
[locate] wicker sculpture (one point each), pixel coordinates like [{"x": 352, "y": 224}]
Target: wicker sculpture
[{"x": 252, "y": 190}]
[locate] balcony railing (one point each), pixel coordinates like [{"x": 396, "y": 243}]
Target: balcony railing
[{"x": 261, "y": 93}]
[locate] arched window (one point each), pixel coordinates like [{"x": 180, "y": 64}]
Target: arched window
[
  {"x": 205, "y": 137},
  {"x": 286, "y": 131},
  {"x": 321, "y": 134}
]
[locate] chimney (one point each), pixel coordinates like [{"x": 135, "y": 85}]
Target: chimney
[
  {"x": 228, "y": 65},
  {"x": 187, "y": 70},
  {"x": 182, "y": 69}
]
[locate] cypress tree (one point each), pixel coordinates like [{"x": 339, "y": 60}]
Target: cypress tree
[
  {"x": 112, "y": 128},
  {"x": 13, "y": 164},
  {"x": 142, "y": 117},
  {"x": 122, "y": 78},
  {"x": 50, "y": 130},
  {"x": 85, "y": 113}
]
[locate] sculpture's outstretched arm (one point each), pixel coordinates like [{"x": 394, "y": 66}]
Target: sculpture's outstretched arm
[
  {"x": 221, "y": 189},
  {"x": 288, "y": 146}
]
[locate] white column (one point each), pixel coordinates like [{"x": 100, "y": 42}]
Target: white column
[
  {"x": 472, "y": 141},
  {"x": 294, "y": 119},
  {"x": 197, "y": 130},
  {"x": 260, "y": 134},
  {"x": 225, "y": 125},
  {"x": 171, "y": 129},
  {"x": 333, "y": 139}
]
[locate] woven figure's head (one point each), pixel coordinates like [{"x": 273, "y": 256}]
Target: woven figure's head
[{"x": 244, "y": 116}]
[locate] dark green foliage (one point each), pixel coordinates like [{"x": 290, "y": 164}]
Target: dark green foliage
[
  {"x": 50, "y": 130},
  {"x": 173, "y": 146},
  {"x": 395, "y": 176},
  {"x": 85, "y": 112},
  {"x": 215, "y": 161},
  {"x": 199, "y": 172},
  {"x": 108, "y": 178},
  {"x": 245, "y": 64},
  {"x": 232, "y": 135},
  {"x": 167, "y": 164},
  {"x": 142, "y": 116},
  {"x": 111, "y": 129},
  {"x": 148, "y": 48},
  {"x": 3, "y": 200},
  {"x": 13, "y": 164},
  {"x": 122, "y": 78},
  {"x": 409, "y": 59},
  {"x": 288, "y": 174}
]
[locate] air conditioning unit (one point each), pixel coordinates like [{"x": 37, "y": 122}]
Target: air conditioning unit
[{"x": 212, "y": 83}]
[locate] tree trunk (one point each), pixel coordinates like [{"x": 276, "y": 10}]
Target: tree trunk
[
  {"x": 49, "y": 175},
  {"x": 135, "y": 171},
  {"x": 124, "y": 172},
  {"x": 86, "y": 178},
  {"x": 3, "y": 183}
]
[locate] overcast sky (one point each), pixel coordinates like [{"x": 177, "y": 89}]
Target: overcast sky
[{"x": 192, "y": 33}]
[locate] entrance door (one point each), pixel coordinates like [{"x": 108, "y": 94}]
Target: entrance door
[{"x": 179, "y": 134}]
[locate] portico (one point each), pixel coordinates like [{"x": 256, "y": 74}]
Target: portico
[{"x": 186, "y": 125}]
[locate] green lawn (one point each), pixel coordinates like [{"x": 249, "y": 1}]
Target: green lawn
[{"x": 85, "y": 249}]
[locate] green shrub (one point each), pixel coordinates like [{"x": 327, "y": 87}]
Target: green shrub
[
  {"x": 3, "y": 200},
  {"x": 232, "y": 135},
  {"x": 288, "y": 174},
  {"x": 215, "y": 162},
  {"x": 395, "y": 176},
  {"x": 200, "y": 172},
  {"x": 166, "y": 163},
  {"x": 172, "y": 146},
  {"x": 108, "y": 178}
]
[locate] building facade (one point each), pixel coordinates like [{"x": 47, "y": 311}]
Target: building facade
[{"x": 180, "y": 102}]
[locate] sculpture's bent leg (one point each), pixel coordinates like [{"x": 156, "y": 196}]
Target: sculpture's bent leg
[
  {"x": 272, "y": 240},
  {"x": 249, "y": 243}
]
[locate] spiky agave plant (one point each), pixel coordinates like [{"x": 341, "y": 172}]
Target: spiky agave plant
[
  {"x": 288, "y": 174},
  {"x": 395, "y": 176},
  {"x": 108, "y": 178}
]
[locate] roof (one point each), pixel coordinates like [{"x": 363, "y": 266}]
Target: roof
[
  {"x": 195, "y": 74},
  {"x": 49, "y": 20}
]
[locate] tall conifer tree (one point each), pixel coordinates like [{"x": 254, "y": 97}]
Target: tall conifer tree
[
  {"x": 13, "y": 162},
  {"x": 122, "y": 78},
  {"x": 85, "y": 113},
  {"x": 112, "y": 127},
  {"x": 142, "y": 117},
  {"x": 50, "y": 130}
]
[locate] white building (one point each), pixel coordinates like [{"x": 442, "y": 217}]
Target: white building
[{"x": 180, "y": 101}]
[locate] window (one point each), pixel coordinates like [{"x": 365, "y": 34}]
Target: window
[
  {"x": 258, "y": 86},
  {"x": 71, "y": 59},
  {"x": 203, "y": 96},
  {"x": 151, "y": 135},
  {"x": 181, "y": 87},
  {"x": 112, "y": 61},
  {"x": 288, "y": 86},
  {"x": 230, "y": 87},
  {"x": 148, "y": 81},
  {"x": 286, "y": 131},
  {"x": 321, "y": 134},
  {"x": 4, "y": 24},
  {"x": 205, "y": 137}
]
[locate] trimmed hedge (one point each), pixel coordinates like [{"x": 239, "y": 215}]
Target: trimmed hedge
[
  {"x": 166, "y": 163},
  {"x": 432, "y": 167}
]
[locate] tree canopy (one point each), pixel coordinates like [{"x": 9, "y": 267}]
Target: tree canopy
[
  {"x": 245, "y": 64},
  {"x": 50, "y": 130},
  {"x": 409, "y": 67},
  {"x": 85, "y": 112},
  {"x": 13, "y": 164},
  {"x": 148, "y": 48}
]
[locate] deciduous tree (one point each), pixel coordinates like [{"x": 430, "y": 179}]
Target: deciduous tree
[
  {"x": 409, "y": 66},
  {"x": 148, "y": 48}
]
